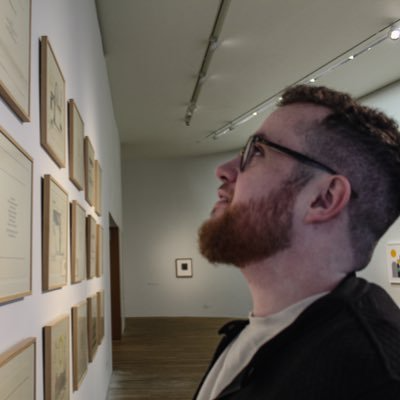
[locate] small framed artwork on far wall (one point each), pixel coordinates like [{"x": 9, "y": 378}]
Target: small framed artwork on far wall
[{"x": 184, "y": 267}]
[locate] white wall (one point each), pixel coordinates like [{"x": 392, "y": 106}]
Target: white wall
[
  {"x": 73, "y": 31},
  {"x": 165, "y": 202}
]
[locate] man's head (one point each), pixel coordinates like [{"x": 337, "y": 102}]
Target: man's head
[{"x": 317, "y": 137}]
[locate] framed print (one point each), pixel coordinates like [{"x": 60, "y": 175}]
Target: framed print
[
  {"x": 16, "y": 177},
  {"x": 79, "y": 343},
  {"x": 78, "y": 243},
  {"x": 91, "y": 244},
  {"x": 55, "y": 234},
  {"x": 17, "y": 372},
  {"x": 56, "y": 360},
  {"x": 92, "y": 326},
  {"x": 98, "y": 187},
  {"x": 15, "y": 56},
  {"x": 184, "y": 268},
  {"x": 76, "y": 143},
  {"x": 99, "y": 251},
  {"x": 393, "y": 261},
  {"x": 52, "y": 104},
  {"x": 89, "y": 172},
  {"x": 100, "y": 315}
]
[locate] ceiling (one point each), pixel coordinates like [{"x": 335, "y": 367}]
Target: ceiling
[{"x": 154, "y": 50}]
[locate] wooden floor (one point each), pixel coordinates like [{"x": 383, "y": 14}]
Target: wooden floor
[{"x": 162, "y": 358}]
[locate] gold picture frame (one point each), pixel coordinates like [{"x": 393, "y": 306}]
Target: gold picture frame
[
  {"x": 78, "y": 242},
  {"x": 56, "y": 359},
  {"x": 16, "y": 181},
  {"x": 91, "y": 246},
  {"x": 18, "y": 371},
  {"x": 99, "y": 250},
  {"x": 92, "y": 326},
  {"x": 89, "y": 171},
  {"x": 98, "y": 203},
  {"x": 15, "y": 56},
  {"x": 76, "y": 135},
  {"x": 55, "y": 234},
  {"x": 80, "y": 356},
  {"x": 52, "y": 104}
]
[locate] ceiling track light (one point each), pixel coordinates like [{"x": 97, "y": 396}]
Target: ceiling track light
[
  {"x": 392, "y": 32},
  {"x": 212, "y": 45}
]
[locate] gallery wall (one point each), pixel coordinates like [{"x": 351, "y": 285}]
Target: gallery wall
[
  {"x": 165, "y": 201},
  {"x": 73, "y": 31}
]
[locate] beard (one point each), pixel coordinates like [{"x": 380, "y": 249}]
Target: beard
[{"x": 252, "y": 231}]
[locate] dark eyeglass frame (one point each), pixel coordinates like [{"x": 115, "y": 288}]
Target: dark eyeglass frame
[{"x": 246, "y": 154}]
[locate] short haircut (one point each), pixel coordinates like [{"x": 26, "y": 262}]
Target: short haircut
[{"x": 363, "y": 144}]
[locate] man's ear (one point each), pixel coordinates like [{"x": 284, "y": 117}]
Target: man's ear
[{"x": 329, "y": 200}]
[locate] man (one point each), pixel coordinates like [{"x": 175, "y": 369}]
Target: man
[{"x": 299, "y": 211}]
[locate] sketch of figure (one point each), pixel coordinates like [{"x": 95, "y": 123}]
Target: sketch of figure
[
  {"x": 57, "y": 232},
  {"x": 60, "y": 369},
  {"x": 56, "y": 108}
]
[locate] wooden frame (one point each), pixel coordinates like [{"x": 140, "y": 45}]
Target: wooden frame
[
  {"x": 55, "y": 234},
  {"x": 184, "y": 267},
  {"x": 98, "y": 204},
  {"x": 78, "y": 243},
  {"x": 15, "y": 56},
  {"x": 92, "y": 326},
  {"x": 91, "y": 243},
  {"x": 79, "y": 343},
  {"x": 99, "y": 250},
  {"x": 100, "y": 316},
  {"x": 56, "y": 360},
  {"x": 18, "y": 366},
  {"x": 52, "y": 104},
  {"x": 16, "y": 181},
  {"x": 89, "y": 172},
  {"x": 76, "y": 135}
]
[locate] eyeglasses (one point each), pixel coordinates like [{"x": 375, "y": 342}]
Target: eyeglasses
[{"x": 249, "y": 150}]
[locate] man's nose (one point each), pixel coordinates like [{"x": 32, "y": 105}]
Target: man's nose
[{"x": 228, "y": 171}]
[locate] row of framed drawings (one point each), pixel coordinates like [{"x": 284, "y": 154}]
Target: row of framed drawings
[
  {"x": 17, "y": 365},
  {"x": 16, "y": 181}
]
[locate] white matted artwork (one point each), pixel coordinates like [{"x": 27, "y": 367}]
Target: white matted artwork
[
  {"x": 393, "y": 261},
  {"x": 184, "y": 267}
]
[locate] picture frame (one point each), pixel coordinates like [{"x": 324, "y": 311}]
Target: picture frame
[
  {"x": 91, "y": 245},
  {"x": 100, "y": 316},
  {"x": 80, "y": 351},
  {"x": 78, "y": 243},
  {"x": 98, "y": 188},
  {"x": 56, "y": 359},
  {"x": 76, "y": 135},
  {"x": 52, "y": 104},
  {"x": 92, "y": 327},
  {"x": 184, "y": 268},
  {"x": 16, "y": 199},
  {"x": 18, "y": 371},
  {"x": 393, "y": 261},
  {"x": 89, "y": 171},
  {"x": 15, "y": 56},
  {"x": 99, "y": 250},
  {"x": 55, "y": 234}
]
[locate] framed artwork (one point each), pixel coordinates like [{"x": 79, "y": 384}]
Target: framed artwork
[
  {"x": 393, "y": 261},
  {"x": 55, "y": 234},
  {"x": 78, "y": 242},
  {"x": 98, "y": 187},
  {"x": 91, "y": 244},
  {"x": 15, "y": 56},
  {"x": 75, "y": 149},
  {"x": 184, "y": 267},
  {"x": 89, "y": 172},
  {"x": 17, "y": 372},
  {"x": 56, "y": 360},
  {"x": 100, "y": 316},
  {"x": 79, "y": 343},
  {"x": 99, "y": 251},
  {"x": 92, "y": 326},
  {"x": 52, "y": 104},
  {"x": 16, "y": 177}
]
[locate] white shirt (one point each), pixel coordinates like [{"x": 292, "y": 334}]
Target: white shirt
[{"x": 240, "y": 351}]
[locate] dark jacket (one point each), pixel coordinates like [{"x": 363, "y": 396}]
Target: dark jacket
[{"x": 345, "y": 346}]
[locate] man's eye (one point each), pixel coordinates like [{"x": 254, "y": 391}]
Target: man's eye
[{"x": 258, "y": 150}]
